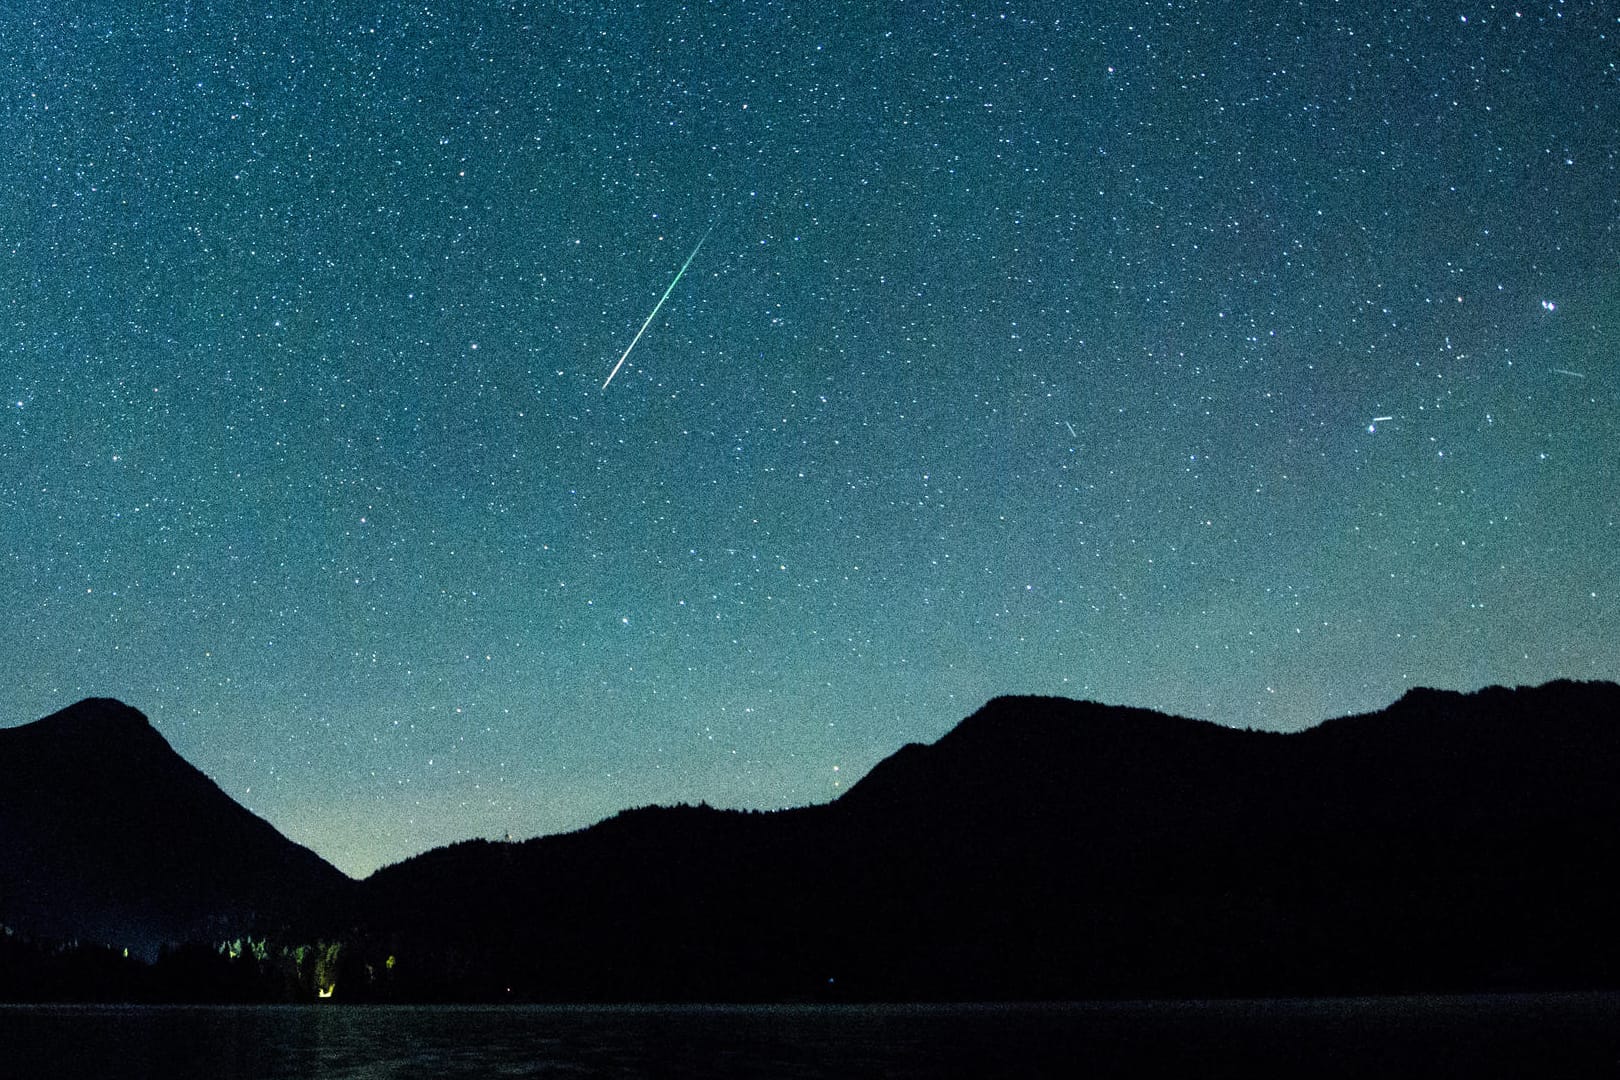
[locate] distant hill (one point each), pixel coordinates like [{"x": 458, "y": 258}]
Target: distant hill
[
  {"x": 1050, "y": 848},
  {"x": 1044, "y": 848},
  {"x": 108, "y": 835}
]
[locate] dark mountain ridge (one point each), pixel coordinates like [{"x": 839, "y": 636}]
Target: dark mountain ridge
[
  {"x": 1043, "y": 848},
  {"x": 1050, "y": 848},
  {"x": 106, "y": 834}
]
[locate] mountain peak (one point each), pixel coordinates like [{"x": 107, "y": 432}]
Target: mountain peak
[
  {"x": 95, "y": 728},
  {"x": 111, "y": 835},
  {"x": 1039, "y": 722},
  {"x": 1570, "y": 698},
  {"x": 1018, "y": 753},
  {"x": 97, "y": 714}
]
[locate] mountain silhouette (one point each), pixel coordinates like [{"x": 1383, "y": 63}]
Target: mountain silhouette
[
  {"x": 108, "y": 835},
  {"x": 1047, "y": 848},
  {"x": 1042, "y": 849}
]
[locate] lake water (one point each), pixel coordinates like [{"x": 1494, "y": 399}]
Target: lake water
[{"x": 1552, "y": 1035}]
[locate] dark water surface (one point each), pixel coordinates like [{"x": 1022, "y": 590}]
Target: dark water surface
[{"x": 1539, "y": 1035}]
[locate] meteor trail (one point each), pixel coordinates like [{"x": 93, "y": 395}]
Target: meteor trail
[{"x": 654, "y": 314}]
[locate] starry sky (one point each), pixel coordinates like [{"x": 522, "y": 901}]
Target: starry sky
[{"x": 1250, "y": 361}]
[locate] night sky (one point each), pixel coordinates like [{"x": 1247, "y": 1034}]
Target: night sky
[{"x": 1254, "y": 363}]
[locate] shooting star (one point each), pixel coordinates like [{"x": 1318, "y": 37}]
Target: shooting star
[
  {"x": 656, "y": 306},
  {"x": 1072, "y": 433},
  {"x": 1571, "y": 374}
]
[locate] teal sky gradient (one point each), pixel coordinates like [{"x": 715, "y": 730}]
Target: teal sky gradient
[{"x": 1034, "y": 350}]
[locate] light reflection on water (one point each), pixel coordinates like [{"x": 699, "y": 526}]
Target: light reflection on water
[{"x": 1550, "y": 1034}]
